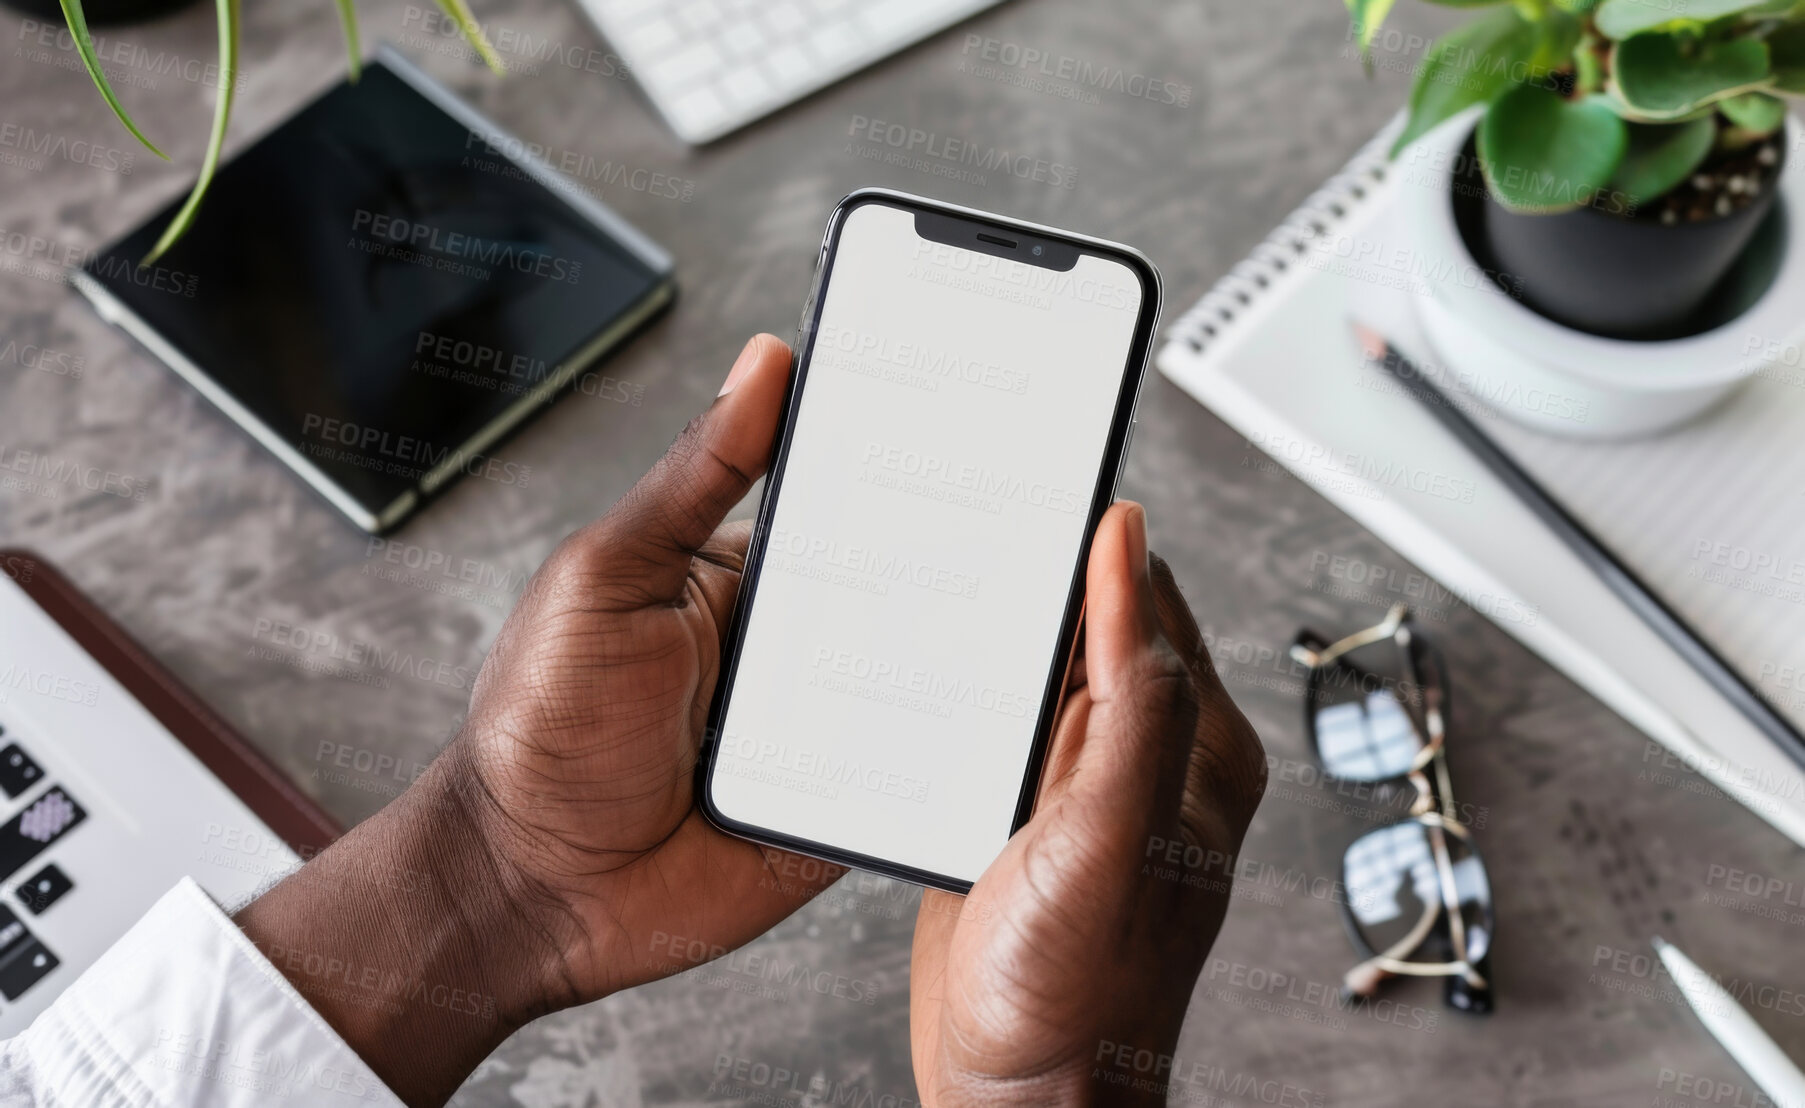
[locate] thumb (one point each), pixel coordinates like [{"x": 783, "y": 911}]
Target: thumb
[
  {"x": 656, "y": 528},
  {"x": 1143, "y": 701}
]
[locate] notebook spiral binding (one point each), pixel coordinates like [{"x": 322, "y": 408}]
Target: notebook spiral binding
[{"x": 1326, "y": 208}]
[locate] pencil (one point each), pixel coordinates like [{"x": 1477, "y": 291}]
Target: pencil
[{"x": 1617, "y": 576}]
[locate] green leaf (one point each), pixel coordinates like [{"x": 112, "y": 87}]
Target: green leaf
[
  {"x": 222, "y": 111},
  {"x": 1621, "y": 19},
  {"x": 459, "y": 11},
  {"x": 1471, "y": 65},
  {"x": 1786, "y": 49},
  {"x": 1636, "y": 115},
  {"x": 1665, "y": 76},
  {"x": 1368, "y": 16},
  {"x": 1754, "y": 112},
  {"x": 347, "y": 17},
  {"x": 1542, "y": 153},
  {"x": 1559, "y": 36},
  {"x": 1578, "y": 7},
  {"x": 1660, "y": 156},
  {"x": 1588, "y": 71},
  {"x": 84, "y": 45}
]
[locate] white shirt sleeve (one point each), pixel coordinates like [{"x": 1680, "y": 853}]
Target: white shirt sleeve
[{"x": 183, "y": 1011}]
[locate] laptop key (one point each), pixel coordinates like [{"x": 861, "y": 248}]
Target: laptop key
[
  {"x": 27, "y": 965},
  {"x": 31, "y": 832},
  {"x": 12, "y": 933},
  {"x": 17, "y": 771},
  {"x": 44, "y": 888}
]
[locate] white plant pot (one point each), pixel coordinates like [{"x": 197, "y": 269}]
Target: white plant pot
[{"x": 1627, "y": 388}]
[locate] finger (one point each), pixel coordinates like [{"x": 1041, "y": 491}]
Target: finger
[
  {"x": 1143, "y": 703},
  {"x": 936, "y": 918},
  {"x": 726, "y": 548},
  {"x": 1180, "y": 628},
  {"x": 1227, "y": 770},
  {"x": 718, "y": 565},
  {"x": 650, "y": 536}
]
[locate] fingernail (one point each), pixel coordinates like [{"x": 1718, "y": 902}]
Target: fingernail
[
  {"x": 1137, "y": 538},
  {"x": 741, "y": 366}
]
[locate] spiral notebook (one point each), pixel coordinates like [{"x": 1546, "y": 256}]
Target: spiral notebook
[{"x": 1270, "y": 351}]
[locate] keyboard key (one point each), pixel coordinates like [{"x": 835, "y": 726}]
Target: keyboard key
[
  {"x": 747, "y": 86},
  {"x": 891, "y": 17},
  {"x": 44, "y": 888},
  {"x": 12, "y": 932},
  {"x": 630, "y": 9},
  {"x": 17, "y": 771},
  {"x": 835, "y": 44},
  {"x": 30, "y": 832},
  {"x": 653, "y": 38},
  {"x": 685, "y": 66},
  {"x": 700, "y": 15},
  {"x": 698, "y": 110},
  {"x": 29, "y": 964},
  {"x": 787, "y": 19},
  {"x": 790, "y": 66},
  {"x": 743, "y": 37}
]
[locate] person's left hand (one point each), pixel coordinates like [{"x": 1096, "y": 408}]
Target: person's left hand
[
  {"x": 564, "y": 812},
  {"x": 587, "y": 717}
]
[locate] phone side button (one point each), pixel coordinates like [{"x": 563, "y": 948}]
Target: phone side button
[
  {"x": 808, "y": 314},
  {"x": 1127, "y": 445}
]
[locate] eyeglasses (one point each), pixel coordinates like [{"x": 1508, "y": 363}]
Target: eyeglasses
[{"x": 1418, "y": 901}]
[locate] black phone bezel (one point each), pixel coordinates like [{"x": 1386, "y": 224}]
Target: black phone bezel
[{"x": 1109, "y": 470}]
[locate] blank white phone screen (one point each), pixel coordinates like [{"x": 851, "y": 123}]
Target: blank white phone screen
[{"x": 925, "y": 539}]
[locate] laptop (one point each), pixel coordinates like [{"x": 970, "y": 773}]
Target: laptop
[
  {"x": 115, "y": 783},
  {"x": 713, "y": 66}
]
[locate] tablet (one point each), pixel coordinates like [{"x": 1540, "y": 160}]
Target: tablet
[{"x": 382, "y": 288}]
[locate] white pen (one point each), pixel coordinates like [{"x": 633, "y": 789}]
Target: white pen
[{"x": 1759, "y": 1056}]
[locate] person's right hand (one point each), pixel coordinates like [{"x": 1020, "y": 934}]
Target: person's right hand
[{"x": 1064, "y": 977}]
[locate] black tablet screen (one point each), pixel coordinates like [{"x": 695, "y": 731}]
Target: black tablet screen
[{"x": 377, "y": 283}]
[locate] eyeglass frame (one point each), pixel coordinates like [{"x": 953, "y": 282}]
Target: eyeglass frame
[{"x": 1433, "y": 808}]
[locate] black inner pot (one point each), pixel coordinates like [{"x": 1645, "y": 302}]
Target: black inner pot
[
  {"x": 1621, "y": 277},
  {"x": 99, "y": 13}
]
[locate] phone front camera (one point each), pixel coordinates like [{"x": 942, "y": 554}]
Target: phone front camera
[{"x": 1039, "y": 250}]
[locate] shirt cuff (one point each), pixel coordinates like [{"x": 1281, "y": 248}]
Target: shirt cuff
[{"x": 184, "y": 1010}]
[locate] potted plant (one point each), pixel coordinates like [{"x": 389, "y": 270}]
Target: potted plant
[
  {"x": 228, "y": 16},
  {"x": 1628, "y": 148}
]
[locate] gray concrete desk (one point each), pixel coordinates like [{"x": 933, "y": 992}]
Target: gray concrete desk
[{"x": 1591, "y": 845}]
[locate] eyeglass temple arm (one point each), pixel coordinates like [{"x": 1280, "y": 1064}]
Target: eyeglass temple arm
[
  {"x": 1450, "y": 896},
  {"x": 1377, "y": 633},
  {"x": 1364, "y": 979}
]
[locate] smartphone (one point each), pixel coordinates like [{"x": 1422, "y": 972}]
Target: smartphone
[
  {"x": 961, "y": 405},
  {"x": 383, "y": 287}
]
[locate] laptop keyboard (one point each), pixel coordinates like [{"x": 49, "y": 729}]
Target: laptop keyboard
[
  {"x": 40, "y": 823},
  {"x": 17, "y": 771},
  {"x": 103, "y": 809},
  {"x": 24, "y": 961},
  {"x": 715, "y": 65},
  {"x": 44, "y": 888}
]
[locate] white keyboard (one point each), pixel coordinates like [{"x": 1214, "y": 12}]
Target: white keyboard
[{"x": 713, "y": 66}]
